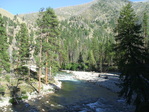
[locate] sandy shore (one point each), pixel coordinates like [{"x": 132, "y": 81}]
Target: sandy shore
[{"x": 107, "y": 80}]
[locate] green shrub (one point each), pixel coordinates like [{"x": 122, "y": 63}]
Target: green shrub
[
  {"x": 2, "y": 89},
  {"x": 83, "y": 66},
  {"x": 7, "y": 77},
  {"x": 24, "y": 97},
  {"x": 22, "y": 70},
  {"x": 20, "y": 98},
  {"x": 113, "y": 68},
  {"x": 68, "y": 66},
  {"x": 24, "y": 92},
  {"x": 50, "y": 89},
  {"x": 11, "y": 100},
  {"x": 74, "y": 66}
]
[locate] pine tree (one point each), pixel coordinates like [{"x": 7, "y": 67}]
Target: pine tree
[
  {"x": 52, "y": 41},
  {"x": 48, "y": 30},
  {"x": 92, "y": 61},
  {"x": 145, "y": 25},
  {"x": 131, "y": 58},
  {"x": 23, "y": 45},
  {"x": 146, "y": 30},
  {"x": 4, "y": 56},
  {"x": 80, "y": 60},
  {"x": 38, "y": 48},
  {"x": 63, "y": 59},
  {"x": 102, "y": 47},
  {"x": 95, "y": 48}
]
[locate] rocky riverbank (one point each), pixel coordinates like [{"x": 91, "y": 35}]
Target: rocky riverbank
[
  {"x": 107, "y": 80},
  {"x": 46, "y": 89},
  {"x": 80, "y": 93}
]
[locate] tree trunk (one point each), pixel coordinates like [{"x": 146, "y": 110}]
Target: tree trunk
[
  {"x": 29, "y": 72},
  {"x": 50, "y": 72},
  {"x": 39, "y": 73},
  {"x": 39, "y": 78},
  {"x": 46, "y": 77},
  {"x": 101, "y": 62}
]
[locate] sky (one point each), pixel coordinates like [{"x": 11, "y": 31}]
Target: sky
[{"x": 30, "y": 6}]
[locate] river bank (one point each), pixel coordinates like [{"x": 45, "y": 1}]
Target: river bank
[
  {"x": 46, "y": 89},
  {"x": 80, "y": 92},
  {"x": 107, "y": 80}
]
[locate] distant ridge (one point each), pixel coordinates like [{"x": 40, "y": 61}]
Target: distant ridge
[
  {"x": 3, "y": 12},
  {"x": 6, "y": 13},
  {"x": 95, "y": 10}
]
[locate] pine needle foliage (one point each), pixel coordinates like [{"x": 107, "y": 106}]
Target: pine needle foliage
[
  {"x": 131, "y": 58},
  {"x": 4, "y": 56}
]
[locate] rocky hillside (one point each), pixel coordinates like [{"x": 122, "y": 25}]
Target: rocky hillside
[
  {"x": 97, "y": 14},
  {"x": 93, "y": 10},
  {"x": 82, "y": 25},
  {"x": 89, "y": 10}
]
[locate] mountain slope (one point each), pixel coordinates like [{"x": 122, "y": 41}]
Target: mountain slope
[
  {"x": 67, "y": 12},
  {"x": 6, "y": 13},
  {"x": 92, "y": 9},
  {"x": 87, "y": 10},
  {"x": 86, "y": 26},
  {"x": 9, "y": 15}
]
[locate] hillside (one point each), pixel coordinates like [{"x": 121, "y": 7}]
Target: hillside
[
  {"x": 62, "y": 13},
  {"x": 92, "y": 9},
  {"x": 6, "y": 13},
  {"x": 88, "y": 10},
  {"x": 94, "y": 21},
  {"x": 86, "y": 25},
  {"x": 9, "y": 15}
]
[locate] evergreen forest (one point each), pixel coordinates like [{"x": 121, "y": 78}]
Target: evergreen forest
[{"x": 34, "y": 47}]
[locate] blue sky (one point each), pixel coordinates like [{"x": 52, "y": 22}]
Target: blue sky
[{"x": 29, "y": 6}]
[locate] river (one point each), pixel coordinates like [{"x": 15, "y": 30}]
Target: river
[{"x": 74, "y": 96}]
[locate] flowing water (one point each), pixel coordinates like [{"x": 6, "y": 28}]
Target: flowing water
[{"x": 73, "y": 97}]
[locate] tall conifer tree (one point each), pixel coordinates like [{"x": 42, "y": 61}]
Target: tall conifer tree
[
  {"x": 131, "y": 58},
  {"x": 91, "y": 61},
  {"x": 4, "y": 56},
  {"x": 23, "y": 45},
  {"x": 145, "y": 24},
  {"x": 48, "y": 29},
  {"x": 146, "y": 30}
]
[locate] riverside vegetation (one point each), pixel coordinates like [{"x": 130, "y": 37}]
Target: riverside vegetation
[{"x": 96, "y": 36}]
